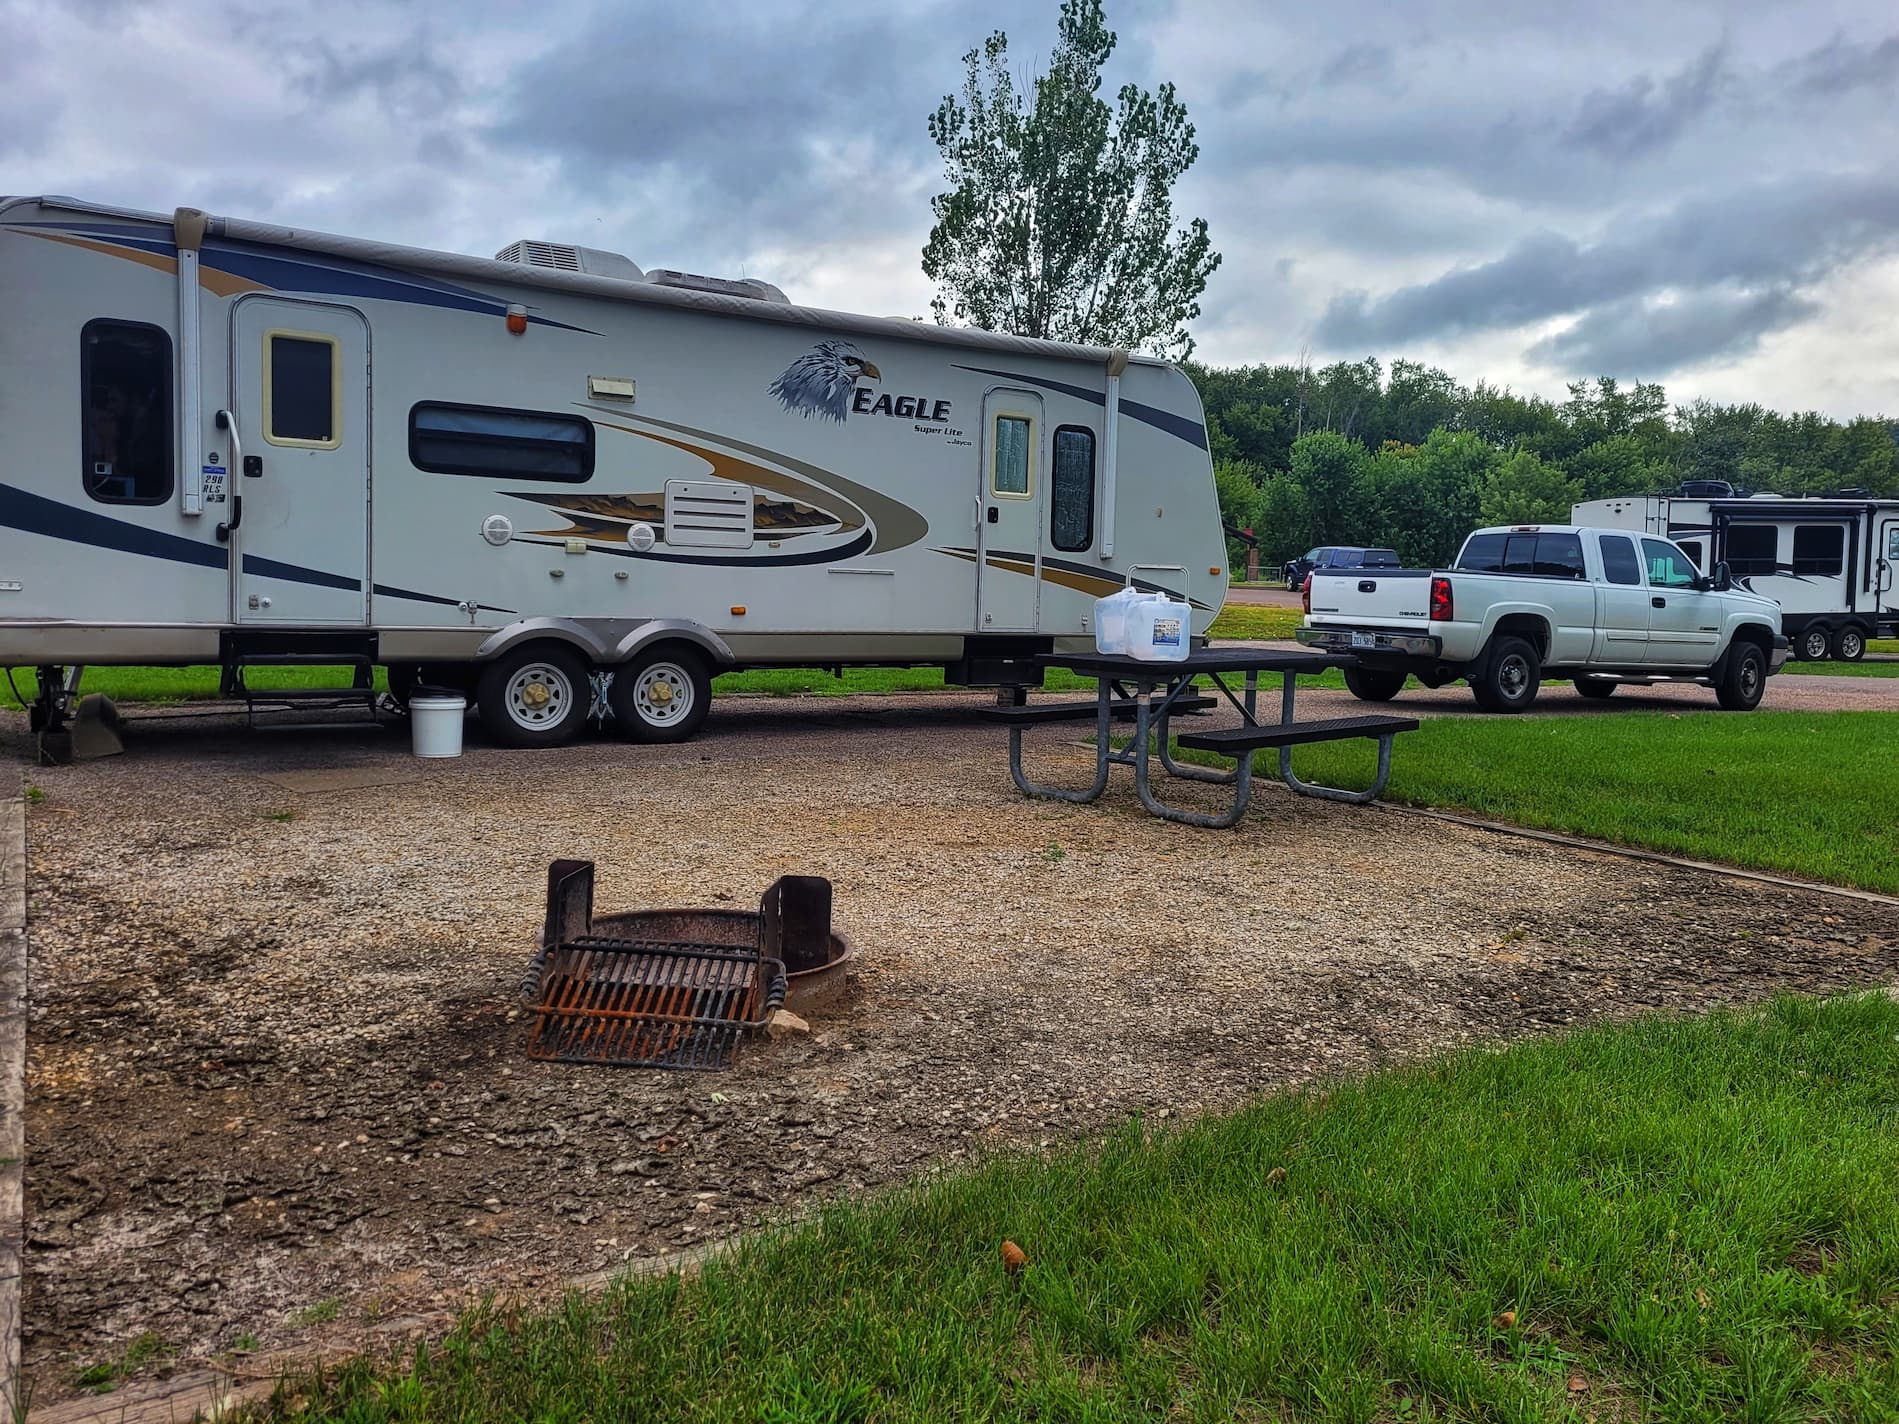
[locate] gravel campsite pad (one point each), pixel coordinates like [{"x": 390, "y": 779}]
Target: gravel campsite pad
[{"x": 277, "y": 1081}]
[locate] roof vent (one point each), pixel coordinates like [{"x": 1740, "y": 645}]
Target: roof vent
[
  {"x": 749, "y": 287},
  {"x": 559, "y": 257}
]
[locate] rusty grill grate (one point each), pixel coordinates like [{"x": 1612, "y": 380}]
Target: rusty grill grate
[{"x": 650, "y": 1003}]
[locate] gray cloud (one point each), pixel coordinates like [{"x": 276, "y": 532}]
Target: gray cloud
[
  {"x": 1642, "y": 115},
  {"x": 1357, "y": 64},
  {"x": 1645, "y": 339},
  {"x": 1776, "y": 234},
  {"x": 1840, "y": 65}
]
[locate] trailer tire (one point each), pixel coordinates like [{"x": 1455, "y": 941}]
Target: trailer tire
[
  {"x": 1510, "y": 677},
  {"x": 1373, "y": 684},
  {"x": 1743, "y": 678},
  {"x": 661, "y": 695},
  {"x": 1849, "y": 643},
  {"x": 1813, "y": 644},
  {"x": 1596, "y": 687},
  {"x": 536, "y": 695}
]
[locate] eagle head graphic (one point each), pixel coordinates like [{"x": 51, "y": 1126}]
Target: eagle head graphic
[{"x": 821, "y": 381}]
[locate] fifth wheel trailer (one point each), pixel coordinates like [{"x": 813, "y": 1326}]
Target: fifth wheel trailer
[
  {"x": 226, "y": 442},
  {"x": 1830, "y": 562}
]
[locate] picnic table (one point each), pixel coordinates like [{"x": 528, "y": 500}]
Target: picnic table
[{"x": 1152, "y": 694}]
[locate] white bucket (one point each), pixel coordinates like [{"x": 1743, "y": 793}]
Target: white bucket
[{"x": 435, "y": 721}]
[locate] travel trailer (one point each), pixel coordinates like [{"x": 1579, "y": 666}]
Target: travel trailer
[
  {"x": 1829, "y": 562},
  {"x": 232, "y": 443}
]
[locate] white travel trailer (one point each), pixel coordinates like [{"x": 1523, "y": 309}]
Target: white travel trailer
[
  {"x": 231, "y": 443},
  {"x": 1830, "y": 563}
]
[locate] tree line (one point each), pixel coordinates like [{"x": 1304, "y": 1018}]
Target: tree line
[{"x": 1408, "y": 459}]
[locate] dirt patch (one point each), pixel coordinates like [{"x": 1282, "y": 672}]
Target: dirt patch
[{"x": 277, "y": 1087}]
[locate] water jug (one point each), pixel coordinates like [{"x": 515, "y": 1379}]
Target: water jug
[
  {"x": 1160, "y": 630},
  {"x": 1111, "y": 621}
]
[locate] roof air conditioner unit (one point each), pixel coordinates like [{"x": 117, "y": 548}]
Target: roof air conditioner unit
[{"x": 560, "y": 257}]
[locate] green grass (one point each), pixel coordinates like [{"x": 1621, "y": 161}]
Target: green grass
[
  {"x": 1873, "y": 669},
  {"x": 1802, "y": 793},
  {"x": 1674, "y": 1220},
  {"x": 103, "y": 1376},
  {"x": 1254, "y": 623}
]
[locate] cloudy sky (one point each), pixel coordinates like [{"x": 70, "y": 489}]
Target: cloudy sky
[{"x": 1705, "y": 194}]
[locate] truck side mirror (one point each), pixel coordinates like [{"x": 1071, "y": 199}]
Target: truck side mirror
[{"x": 1722, "y": 580}]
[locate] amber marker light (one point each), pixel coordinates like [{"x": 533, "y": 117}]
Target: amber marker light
[
  {"x": 738, "y": 610},
  {"x": 517, "y": 320}
]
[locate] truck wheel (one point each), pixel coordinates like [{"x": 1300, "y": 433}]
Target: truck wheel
[
  {"x": 1510, "y": 678},
  {"x": 1812, "y": 644},
  {"x": 536, "y": 696},
  {"x": 1849, "y": 644},
  {"x": 1744, "y": 679},
  {"x": 1373, "y": 684},
  {"x": 662, "y": 695},
  {"x": 1597, "y": 687}
]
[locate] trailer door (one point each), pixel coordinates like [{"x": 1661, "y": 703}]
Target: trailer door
[
  {"x": 1009, "y": 501},
  {"x": 300, "y": 398},
  {"x": 1886, "y": 564}
]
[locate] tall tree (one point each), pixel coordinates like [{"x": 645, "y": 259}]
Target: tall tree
[{"x": 1059, "y": 217}]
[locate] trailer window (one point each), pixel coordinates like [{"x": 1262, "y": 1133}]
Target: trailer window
[
  {"x": 480, "y": 440},
  {"x": 1668, "y": 567},
  {"x": 125, "y": 395},
  {"x": 1819, "y": 549},
  {"x": 1753, "y": 549},
  {"x": 1071, "y": 521},
  {"x": 1692, "y": 548},
  {"x": 1619, "y": 564},
  {"x": 1010, "y": 474},
  {"x": 302, "y": 390}
]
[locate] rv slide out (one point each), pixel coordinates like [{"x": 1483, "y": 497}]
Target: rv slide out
[
  {"x": 237, "y": 444},
  {"x": 1830, "y": 562}
]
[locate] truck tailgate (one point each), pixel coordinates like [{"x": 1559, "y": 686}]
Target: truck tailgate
[{"x": 1384, "y": 598}]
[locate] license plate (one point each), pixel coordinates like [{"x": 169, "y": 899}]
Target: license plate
[{"x": 1364, "y": 640}]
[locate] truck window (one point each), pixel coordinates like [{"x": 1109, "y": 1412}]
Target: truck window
[
  {"x": 1519, "y": 553},
  {"x": 1753, "y": 549},
  {"x": 1071, "y": 520},
  {"x": 1381, "y": 559},
  {"x": 1819, "y": 549},
  {"x": 125, "y": 399},
  {"x": 1668, "y": 567},
  {"x": 489, "y": 441},
  {"x": 1483, "y": 554},
  {"x": 1619, "y": 564},
  {"x": 1559, "y": 556}
]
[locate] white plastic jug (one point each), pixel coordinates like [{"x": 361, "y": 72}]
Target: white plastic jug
[
  {"x": 1111, "y": 620},
  {"x": 1160, "y": 630}
]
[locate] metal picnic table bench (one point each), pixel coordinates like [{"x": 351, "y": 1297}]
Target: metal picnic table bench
[{"x": 1162, "y": 691}]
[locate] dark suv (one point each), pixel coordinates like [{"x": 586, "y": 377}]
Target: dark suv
[{"x": 1338, "y": 556}]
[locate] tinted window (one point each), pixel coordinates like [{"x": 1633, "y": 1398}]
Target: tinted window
[
  {"x": 1011, "y": 473},
  {"x": 1692, "y": 548},
  {"x": 1668, "y": 567},
  {"x": 301, "y": 397},
  {"x": 1559, "y": 555},
  {"x": 1519, "y": 553},
  {"x": 1381, "y": 558},
  {"x": 125, "y": 399},
  {"x": 1619, "y": 564},
  {"x": 1071, "y": 520},
  {"x": 511, "y": 444},
  {"x": 1752, "y": 549},
  {"x": 1819, "y": 549},
  {"x": 1483, "y": 554}
]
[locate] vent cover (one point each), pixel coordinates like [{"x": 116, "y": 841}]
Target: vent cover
[
  {"x": 748, "y": 287},
  {"x": 560, "y": 257},
  {"x": 708, "y": 514}
]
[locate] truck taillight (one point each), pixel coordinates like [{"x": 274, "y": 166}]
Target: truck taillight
[
  {"x": 1305, "y": 594},
  {"x": 1441, "y": 607}
]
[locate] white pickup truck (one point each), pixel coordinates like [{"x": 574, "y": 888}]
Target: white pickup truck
[{"x": 1602, "y": 606}]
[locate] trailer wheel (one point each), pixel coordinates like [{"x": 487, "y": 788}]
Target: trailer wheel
[
  {"x": 1373, "y": 684},
  {"x": 1597, "y": 687},
  {"x": 1812, "y": 644},
  {"x": 534, "y": 696},
  {"x": 1849, "y": 644},
  {"x": 1510, "y": 678},
  {"x": 1744, "y": 679},
  {"x": 662, "y": 695}
]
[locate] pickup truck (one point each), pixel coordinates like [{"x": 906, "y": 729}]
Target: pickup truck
[{"x": 1602, "y": 606}]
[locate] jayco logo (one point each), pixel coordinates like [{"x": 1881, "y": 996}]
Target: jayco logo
[{"x": 828, "y": 383}]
